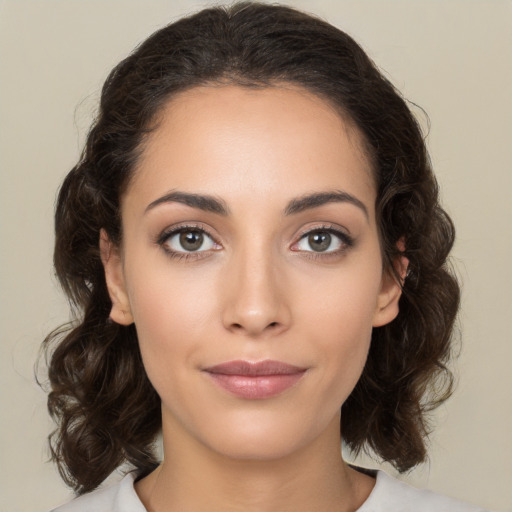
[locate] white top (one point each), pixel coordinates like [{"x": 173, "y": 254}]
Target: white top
[{"x": 388, "y": 495}]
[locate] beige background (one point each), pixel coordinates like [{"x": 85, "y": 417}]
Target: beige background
[{"x": 454, "y": 58}]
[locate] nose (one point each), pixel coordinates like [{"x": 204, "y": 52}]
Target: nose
[{"x": 255, "y": 302}]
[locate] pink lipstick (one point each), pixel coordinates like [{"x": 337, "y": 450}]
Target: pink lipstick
[{"x": 255, "y": 381}]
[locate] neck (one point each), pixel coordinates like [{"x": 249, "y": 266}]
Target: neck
[{"x": 195, "y": 478}]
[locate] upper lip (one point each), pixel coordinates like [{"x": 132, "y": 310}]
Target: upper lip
[{"x": 267, "y": 367}]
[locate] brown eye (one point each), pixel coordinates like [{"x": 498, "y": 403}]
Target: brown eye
[
  {"x": 186, "y": 240},
  {"x": 191, "y": 240},
  {"x": 320, "y": 241},
  {"x": 328, "y": 241}
]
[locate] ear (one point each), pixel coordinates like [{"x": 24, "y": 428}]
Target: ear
[
  {"x": 111, "y": 259},
  {"x": 391, "y": 290}
]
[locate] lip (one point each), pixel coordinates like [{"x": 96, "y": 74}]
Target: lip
[{"x": 255, "y": 380}]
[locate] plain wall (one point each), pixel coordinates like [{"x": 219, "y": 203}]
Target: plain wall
[{"x": 454, "y": 58}]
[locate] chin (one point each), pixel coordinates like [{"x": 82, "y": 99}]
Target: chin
[
  {"x": 264, "y": 438},
  {"x": 247, "y": 448}
]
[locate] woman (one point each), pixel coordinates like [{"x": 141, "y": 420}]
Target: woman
[{"x": 253, "y": 241}]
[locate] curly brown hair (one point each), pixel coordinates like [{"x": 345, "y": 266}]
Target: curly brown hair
[{"x": 107, "y": 411}]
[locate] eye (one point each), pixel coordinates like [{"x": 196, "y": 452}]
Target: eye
[
  {"x": 187, "y": 240},
  {"x": 323, "y": 241}
]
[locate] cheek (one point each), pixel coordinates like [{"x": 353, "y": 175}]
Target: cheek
[
  {"x": 338, "y": 314},
  {"x": 162, "y": 295},
  {"x": 173, "y": 312},
  {"x": 343, "y": 301}
]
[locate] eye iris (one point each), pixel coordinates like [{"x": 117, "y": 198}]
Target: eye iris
[
  {"x": 191, "y": 240},
  {"x": 319, "y": 241}
]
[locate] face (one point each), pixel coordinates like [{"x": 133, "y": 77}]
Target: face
[{"x": 251, "y": 267}]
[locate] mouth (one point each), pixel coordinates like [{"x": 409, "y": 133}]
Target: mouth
[{"x": 255, "y": 381}]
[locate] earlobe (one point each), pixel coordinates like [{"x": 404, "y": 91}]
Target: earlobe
[
  {"x": 114, "y": 277},
  {"x": 391, "y": 290}
]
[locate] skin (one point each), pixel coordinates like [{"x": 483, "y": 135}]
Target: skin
[{"x": 259, "y": 290}]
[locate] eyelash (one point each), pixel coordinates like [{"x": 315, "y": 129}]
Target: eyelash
[
  {"x": 346, "y": 240},
  {"x": 169, "y": 233}
]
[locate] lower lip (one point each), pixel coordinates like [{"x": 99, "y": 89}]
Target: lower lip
[{"x": 256, "y": 387}]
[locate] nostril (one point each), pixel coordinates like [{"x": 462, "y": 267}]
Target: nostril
[{"x": 238, "y": 326}]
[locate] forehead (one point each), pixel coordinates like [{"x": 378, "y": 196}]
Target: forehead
[{"x": 251, "y": 141}]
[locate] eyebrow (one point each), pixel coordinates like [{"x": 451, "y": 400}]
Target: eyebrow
[
  {"x": 215, "y": 205},
  {"x": 320, "y": 198},
  {"x": 200, "y": 201}
]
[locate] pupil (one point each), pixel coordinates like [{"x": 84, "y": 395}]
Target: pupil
[
  {"x": 191, "y": 240},
  {"x": 319, "y": 241}
]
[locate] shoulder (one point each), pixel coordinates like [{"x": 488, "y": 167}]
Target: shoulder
[
  {"x": 390, "y": 494},
  {"x": 116, "y": 498}
]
